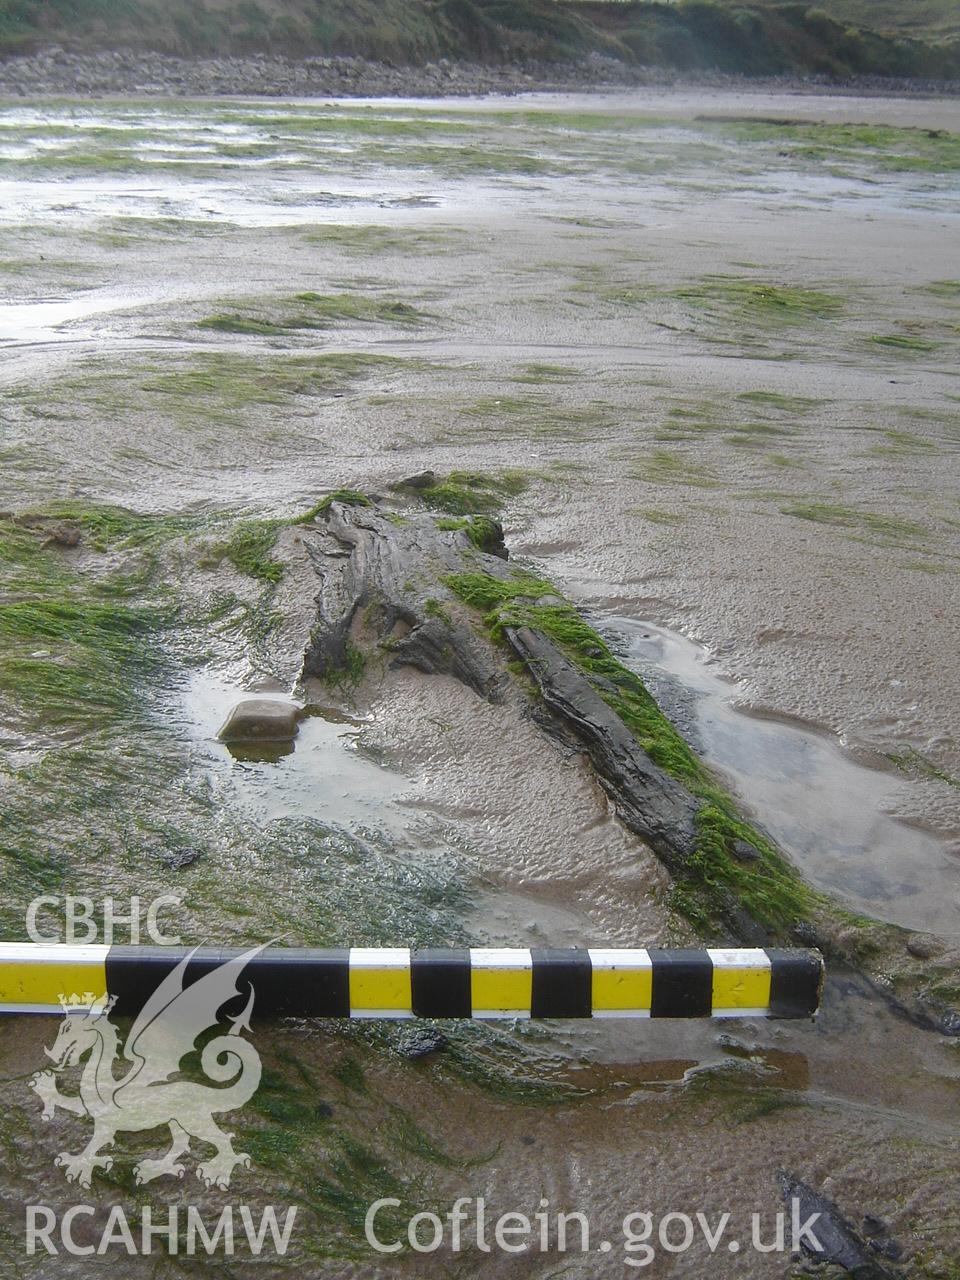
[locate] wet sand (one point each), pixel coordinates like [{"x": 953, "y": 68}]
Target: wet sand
[
  {"x": 767, "y": 479},
  {"x": 807, "y": 609}
]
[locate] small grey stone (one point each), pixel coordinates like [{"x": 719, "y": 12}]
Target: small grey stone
[
  {"x": 422, "y": 480},
  {"x": 874, "y": 1226},
  {"x": 743, "y": 851},
  {"x": 62, "y": 535},
  {"x": 417, "y": 1042},
  {"x": 726, "y": 1041},
  {"x": 806, "y": 934},
  {"x": 887, "y": 1248},
  {"x": 261, "y": 720},
  {"x": 923, "y": 946},
  {"x": 176, "y": 859}
]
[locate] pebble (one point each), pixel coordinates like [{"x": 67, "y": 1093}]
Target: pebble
[
  {"x": 923, "y": 946},
  {"x": 743, "y": 851},
  {"x": 124, "y": 71},
  {"x": 417, "y": 1042}
]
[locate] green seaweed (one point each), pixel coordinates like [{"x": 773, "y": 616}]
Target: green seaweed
[
  {"x": 473, "y": 492},
  {"x": 484, "y": 533},
  {"x": 248, "y": 549},
  {"x": 349, "y": 497},
  {"x": 536, "y": 372},
  {"x": 777, "y": 400},
  {"x": 663, "y": 466},
  {"x": 315, "y": 311},
  {"x": 432, "y": 608},
  {"x": 538, "y": 417},
  {"x": 744, "y": 1099},
  {"x": 224, "y": 322},
  {"x": 849, "y": 148},
  {"x": 375, "y": 240},
  {"x": 117, "y": 527},
  {"x": 189, "y": 390},
  {"x": 915, "y": 763},
  {"x": 903, "y": 342},
  {"x": 657, "y": 516},
  {"x": 348, "y": 674},
  {"x": 851, "y": 518},
  {"x": 333, "y": 1172},
  {"x": 901, "y": 444},
  {"x": 72, "y": 661},
  {"x": 949, "y": 289},
  {"x": 70, "y": 647},
  {"x": 762, "y": 300}
]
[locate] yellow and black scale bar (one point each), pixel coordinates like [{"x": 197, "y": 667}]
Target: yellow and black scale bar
[{"x": 395, "y": 982}]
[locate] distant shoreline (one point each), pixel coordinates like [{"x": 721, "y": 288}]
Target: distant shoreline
[{"x": 57, "y": 72}]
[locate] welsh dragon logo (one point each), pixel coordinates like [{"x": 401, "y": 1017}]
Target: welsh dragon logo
[{"x": 148, "y": 1095}]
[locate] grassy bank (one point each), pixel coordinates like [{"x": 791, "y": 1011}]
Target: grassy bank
[
  {"x": 933, "y": 19},
  {"x": 690, "y": 35}
]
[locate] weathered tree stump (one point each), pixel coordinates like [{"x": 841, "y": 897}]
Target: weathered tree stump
[{"x": 382, "y": 583}]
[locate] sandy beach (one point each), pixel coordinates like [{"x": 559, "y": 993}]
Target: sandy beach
[{"x": 714, "y": 334}]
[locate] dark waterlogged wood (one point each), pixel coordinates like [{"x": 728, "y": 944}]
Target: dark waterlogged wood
[
  {"x": 381, "y": 583},
  {"x": 382, "y": 591},
  {"x": 647, "y": 799},
  {"x": 833, "y": 1238}
]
